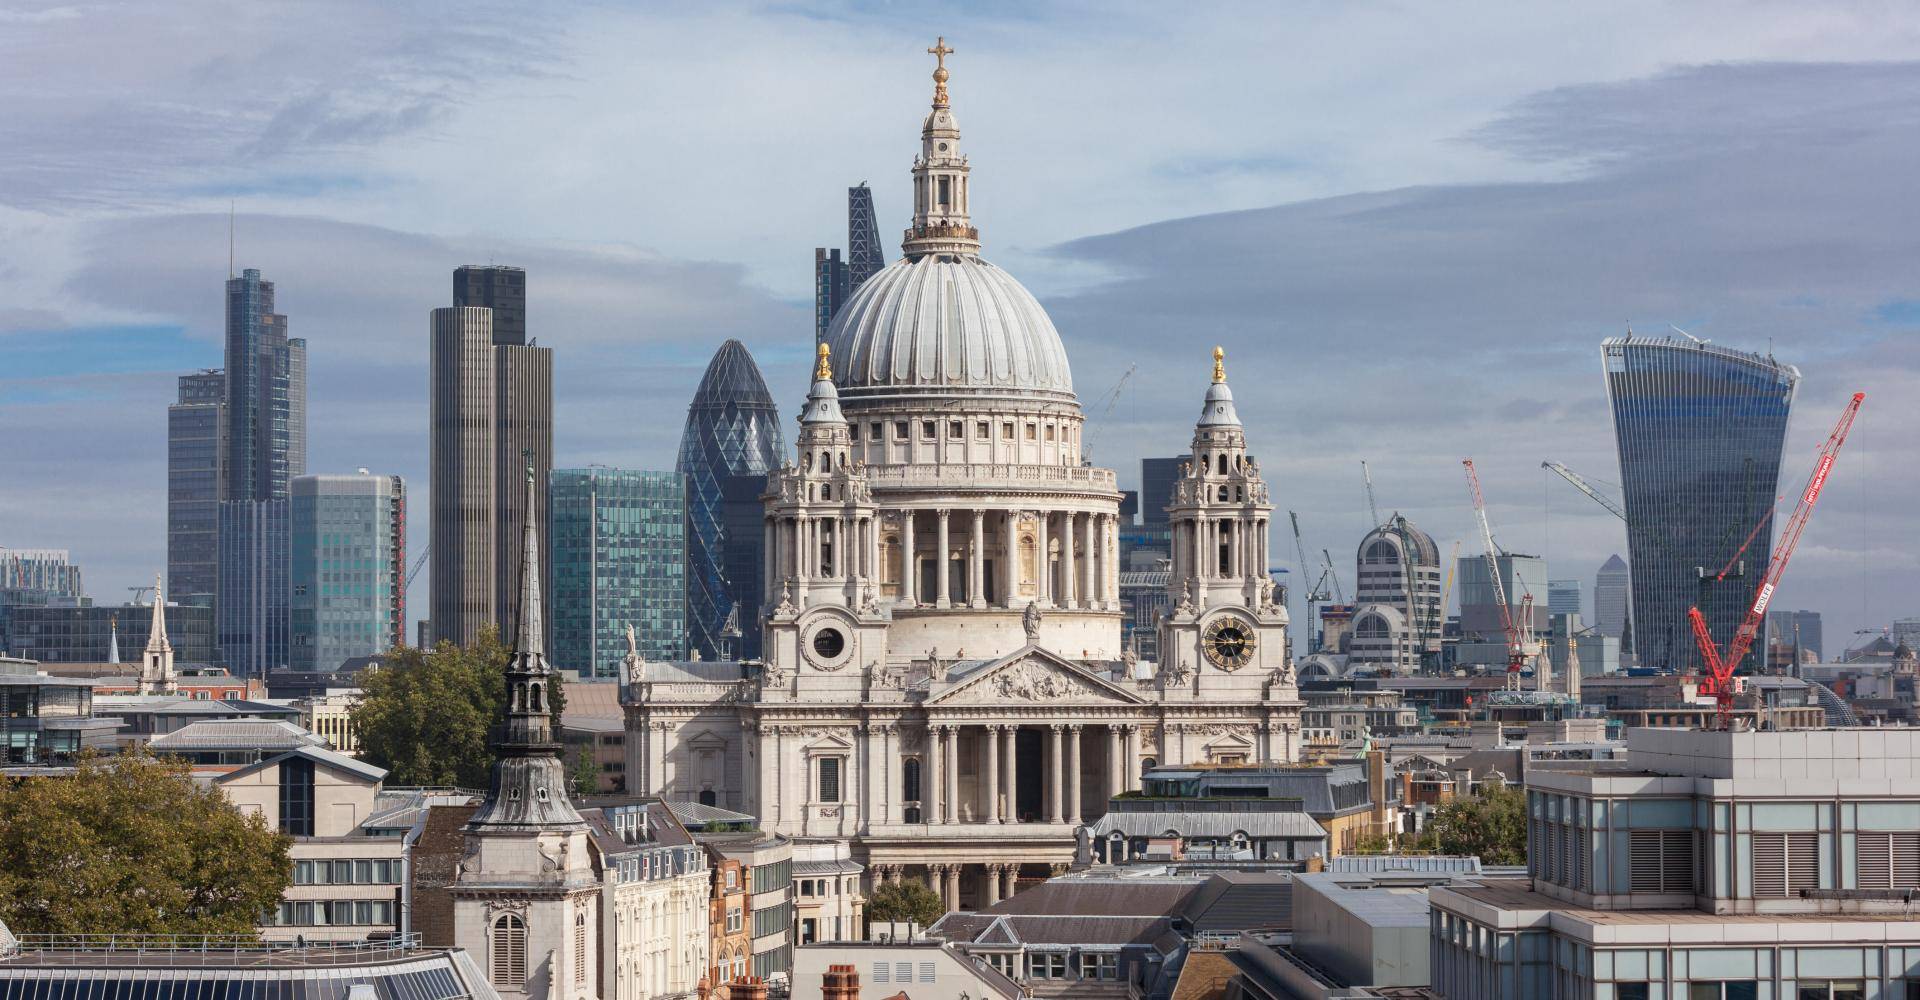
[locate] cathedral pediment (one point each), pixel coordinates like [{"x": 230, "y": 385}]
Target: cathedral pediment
[{"x": 1031, "y": 675}]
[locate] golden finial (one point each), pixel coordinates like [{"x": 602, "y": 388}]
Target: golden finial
[
  {"x": 825, "y": 371},
  {"x": 1219, "y": 365},
  {"x": 940, "y": 52}
]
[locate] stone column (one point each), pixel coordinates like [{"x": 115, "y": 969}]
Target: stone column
[
  {"x": 953, "y": 887},
  {"x": 1089, "y": 560},
  {"x": 1043, "y": 579},
  {"x": 1073, "y": 774},
  {"x": 893, "y": 788},
  {"x": 941, "y": 598},
  {"x": 1013, "y": 775},
  {"x": 1133, "y": 759},
  {"x": 909, "y": 587},
  {"x": 991, "y": 789},
  {"x": 1013, "y": 880},
  {"x": 1055, "y": 778},
  {"x": 769, "y": 559},
  {"x": 1068, "y": 578},
  {"x": 1115, "y": 775},
  {"x": 1010, "y": 559},
  {"x": 977, "y": 565},
  {"x": 994, "y": 874},
  {"x": 800, "y": 555},
  {"x": 932, "y": 779},
  {"x": 937, "y": 881},
  {"x": 953, "y": 774}
]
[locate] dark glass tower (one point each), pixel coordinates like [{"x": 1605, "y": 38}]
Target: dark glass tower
[
  {"x": 733, "y": 430},
  {"x": 866, "y": 255},
  {"x": 831, "y": 289},
  {"x": 1700, "y": 430},
  {"x": 196, "y": 482},
  {"x": 501, "y": 289}
]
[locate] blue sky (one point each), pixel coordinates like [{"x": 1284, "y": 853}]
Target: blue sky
[{"x": 1409, "y": 224}]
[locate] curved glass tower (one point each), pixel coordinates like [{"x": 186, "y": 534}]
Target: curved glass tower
[
  {"x": 1700, "y": 430},
  {"x": 731, "y": 442}
]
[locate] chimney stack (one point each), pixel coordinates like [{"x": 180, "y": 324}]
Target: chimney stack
[
  {"x": 840, "y": 982},
  {"x": 748, "y": 988}
]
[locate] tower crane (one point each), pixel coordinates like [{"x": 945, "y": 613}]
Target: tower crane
[
  {"x": 1373, "y": 509},
  {"x": 1721, "y": 666},
  {"x": 138, "y": 591},
  {"x": 1333, "y": 576},
  {"x": 1318, "y": 592},
  {"x": 1613, "y": 506},
  {"x": 1446, "y": 589},
  {"x": 418, "y": 565},
  {"x": 1519, "y": 649},
  {"x": 1109, "y": 399}
]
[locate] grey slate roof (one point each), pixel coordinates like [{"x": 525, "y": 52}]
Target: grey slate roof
[
  {"x": 235, "y": 734},
  {"x": 319, "y": 755},
  {"x": 1236, "y": 901},
  {"x": 1157, "y": 898},
  {"x": 1433, "y": 864},
  {"x": 695, "y": 814},
  {"x": 1050, "y": 931}
]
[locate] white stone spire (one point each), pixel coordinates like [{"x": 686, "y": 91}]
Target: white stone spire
[
  {"x": 113, "y": 639},
  {"x": 156, "y": 663},
  {"x": 941, "y": 224}
]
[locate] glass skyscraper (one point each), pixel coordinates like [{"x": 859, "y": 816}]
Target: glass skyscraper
[
  {"x": 266, "y": 394},
  {"x": 733, "y": 429},
  {"x": 196, "y": 481},
  {"x": 1700, "y": 430},
  {"x": 619, "y": 558},
  {"x": 348, "y": 570},
  {"x": 866, "y": 255},
  {"x": 252, "y": 614}
]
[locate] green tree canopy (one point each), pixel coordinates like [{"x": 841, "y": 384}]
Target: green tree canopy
[
  {"x": 424, "y": 714},
  {"x": 896, "y": 901},
  {"x": 132, "y": 845},
  {"x": 1490, "y": 824}
]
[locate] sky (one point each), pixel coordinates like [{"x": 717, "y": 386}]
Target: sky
[{"x": 1410, "y": 226}]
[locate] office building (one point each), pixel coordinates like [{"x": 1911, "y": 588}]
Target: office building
[
  {"x": 831, "y": 288},
  {"x": 1157, "y": 476},
  {"x": 733, "y": 429},
  {"x": 349, "y": 566},
  {"x": 1802, "y": 627},
  {"x": 479, "y": 503},
  {"x": 196, "y": 483},
  {"x": 266, "y": 394},
  {"x": 253, "y": 608},
  {"x": 84, "y": 632},
  {"x": 1611, "y": 604},
  {"x": 1699, "y": 430},
  {"x": 501, "y": 289},
  {"x": 743, "y": 559},
  {"x": 1397, "y": 616},
  {"x": 619, "y": 548},
  {"x": 462, "y": 484},
  {"x": 1564, "y": 597},
  {"x": 48, "y": 573},
  {"x": 1713, "y": 864},
  {"x": 866, "y": 255},
  {"x": 1483, "y": 638}
]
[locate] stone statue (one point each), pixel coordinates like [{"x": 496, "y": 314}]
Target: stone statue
[{"x": 1030, "y": 621}]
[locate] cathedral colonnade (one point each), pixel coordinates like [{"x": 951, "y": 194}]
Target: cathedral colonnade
[
  {"x": 1000, "y": 772},
  {"x": 958, "y": 556}
]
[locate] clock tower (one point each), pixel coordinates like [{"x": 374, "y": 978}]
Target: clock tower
[{"x": 1227, "y": 630}]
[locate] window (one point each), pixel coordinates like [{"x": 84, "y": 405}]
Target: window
[
  {"x": 1033, "y": 432},
  {"x": 579, "y": 947},
  {"x": 829, "y": 779},
  {"x": 1099, "y": 966},
  {"x": 982, "y": 431},
  {"x": 1835, "y": 989},
  {"x": 1049, "y": 432},
  {"x": 873, "y": 430},
  {"x": 956, "y": 429},
  {"x": 1733, "y": 989},
  {"x": 1006, "y": 430},
  {"x": 509, "y": 960},
  {"x": 296, "y": 796},
  {"x": 900, "y": 429},
  {"x": 1661, "y": 861},
  {"x": 927, "y": 429},
  {"x": 809, "y": 930},
  {"x": 1785, "y": 863},
  {"x": 910, "y": 780},
  {"x": 1889, "y": 860},
  {"x": 1632, "y": 991},
  {"x": 1047, "y": 965}
]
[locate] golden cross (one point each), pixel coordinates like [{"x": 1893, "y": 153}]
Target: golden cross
[{"x": 940, "y": 51}]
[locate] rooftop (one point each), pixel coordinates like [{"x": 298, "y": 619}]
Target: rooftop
[
  {"x": 1517, "y": 894},
  {"x": 204, "y": 951}
]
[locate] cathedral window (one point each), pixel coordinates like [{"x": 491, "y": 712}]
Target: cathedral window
[
  {"x": 579, "y": 947},
  {"x": 956, "y": 429},
  {"x": 1006, "y": 430},
  {"x": 982, "y": 431},
  {"x": 910, "y": 780},
  {"x": 1223, "y": 463},
  {"x": 927, "y": 429},
  {"x": 1049, "y": 432},
  {"x": 853, "y": 432},
  {"x": 509, "y": 947},
  {"x": 828, "y": 787},
  {"x": 533, "y": 698},
  {"x": 900, "y": 429}
]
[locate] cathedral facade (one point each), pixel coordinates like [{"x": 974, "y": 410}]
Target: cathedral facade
[{"x": 944, "y": 682}]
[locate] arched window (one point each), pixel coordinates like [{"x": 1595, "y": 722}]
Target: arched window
[
  {"x": 1382, "y": 551},
  {"x": 509, "y": 959},
  {"x": 1372, "y": 627},
  {"x": 910, "y": 780},
  {"x": 579, "y": 947},
  {"x": 1223, "y": 463},
  {"x": 708, "y": 798},
  {"x": 533, "y": 699}
]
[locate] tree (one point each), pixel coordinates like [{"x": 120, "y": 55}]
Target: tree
[
  {"x": 425, "y": 714},
  {"x": 586, "y": 774},
  {"x": 132, "y": 844},
  {"x": 902, "y": 901},
  {"x": 1490, "y": 824}
]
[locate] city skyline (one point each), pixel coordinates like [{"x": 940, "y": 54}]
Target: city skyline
[{"x": 112, "y": 352}]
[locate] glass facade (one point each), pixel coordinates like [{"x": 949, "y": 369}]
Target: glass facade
[
  {"x": 348, "y": 566},
  {"x": 733, "y": 429},
  {"x": 82, "y": 633},
  {"x": 252, "y": 612},
  {"x": 1699, "y": 430},
  {"x": 266, "y": 394},
  {"x": 866, "y": 255},
  {"x": 619, "y": 541},
  {"x": 196, "y": 470}
]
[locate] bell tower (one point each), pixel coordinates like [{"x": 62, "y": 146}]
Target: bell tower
[{"x": 1225, "y": 621}]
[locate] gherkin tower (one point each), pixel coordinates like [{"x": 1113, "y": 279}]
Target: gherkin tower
[{"x": 732, "y": 440}]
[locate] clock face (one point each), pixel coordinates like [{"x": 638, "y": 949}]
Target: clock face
[{"x": 1228, "y": 643}]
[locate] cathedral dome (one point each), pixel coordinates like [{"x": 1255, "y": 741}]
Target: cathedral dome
[{"x": 946, "y": 323}]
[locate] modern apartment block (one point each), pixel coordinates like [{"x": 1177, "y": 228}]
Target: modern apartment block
[
  {"x": 1699, "y": 430},
  {"x": 50, "y": 573},
  {"x": 619, "y": 549},
  {"x": 1722, "y": 865},
  {"x": 349, "y": 567}
]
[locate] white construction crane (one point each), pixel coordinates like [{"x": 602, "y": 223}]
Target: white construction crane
[
  {"x": 1108, "y": 399},
  {"x": 1372, "y": 508},
  {"x": 1613, "y": 506}
]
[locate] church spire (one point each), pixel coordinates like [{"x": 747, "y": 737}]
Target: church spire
[
  {"x": 113, "y": 639},
  {"x": 528, "y": 790},
  {"x": 156, "y": 663},
  {"x": 940, "y": 187}
]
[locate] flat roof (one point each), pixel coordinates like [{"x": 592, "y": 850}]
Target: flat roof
[{"x": 1514, "y": 894}]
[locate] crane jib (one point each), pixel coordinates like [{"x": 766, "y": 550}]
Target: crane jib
[
  {"x": 1819, "y": 480},
  {"x": 1760, "y": 602}
]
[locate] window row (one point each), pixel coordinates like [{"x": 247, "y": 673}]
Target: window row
[
  {"x": 334, "y": 913},
  {"x": 956, "y": 430},
  {"x": 370, "y": 872}
]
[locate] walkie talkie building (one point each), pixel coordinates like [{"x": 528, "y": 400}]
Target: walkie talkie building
[
  {"x": 732, "y": 434},
  {"x": 1700, "y": 429}
]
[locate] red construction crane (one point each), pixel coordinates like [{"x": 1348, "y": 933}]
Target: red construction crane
[
  {"x": 1721, "y": 667},
  {"x": 1517, "y": 653}
]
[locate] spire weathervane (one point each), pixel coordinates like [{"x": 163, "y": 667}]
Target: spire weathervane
[
  {"x": 825, "y": 371},
  {"x": 940, "y": 52},
  {"x": 1219, "y": 365}
]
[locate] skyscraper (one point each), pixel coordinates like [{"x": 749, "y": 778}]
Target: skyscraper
[
  {"x": 462, "y": 480},
  {"x": 619, "y": 547},
  {"x": 1483, "y": 640},
  {"x": 831, "y": 289},
  {"x": 1157, "y": 476},
  {"x": 510, "y": 413},
  {"x": 1564, "y": 597},
  {"x": 733, "y": 429},
  {"x": 252, "y": 614},
  {"x": 866, "y": 255},
  {"x": 196, "y": 483},
  {"x": 1801, "y": 626},
  {"x": 349, "y": 564},
  {"x": 1397, "y": 613},
  {"x": 1699, "y": 430},
  {"x": 1610, "y": 604}
]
